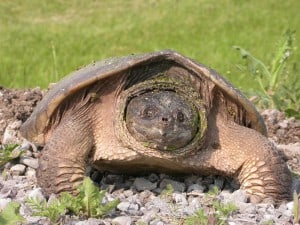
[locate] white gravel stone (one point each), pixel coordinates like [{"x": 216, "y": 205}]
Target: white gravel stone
[
  {"x": 123, "y": 206},
  {"x": 91, "y": 221},
  {"x": 29, "y": 161},
  {"x": 122, "y": 220},
  {"x": 18, "y": 169},
  {"x": 11, "y": 133},
  {"x": 30, "y": 173},
  {"x": 179, "y": 199},
  {"x": 196, "y": 188}
]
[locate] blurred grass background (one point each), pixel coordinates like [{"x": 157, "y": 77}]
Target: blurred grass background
[{"x": 42, "y": 41}]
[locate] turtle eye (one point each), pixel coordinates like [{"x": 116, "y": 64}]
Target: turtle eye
[
  {"x": 179, "y": 116},
  {"x": 149, "y": 112}
]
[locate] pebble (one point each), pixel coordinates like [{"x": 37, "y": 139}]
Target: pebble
[
  {"x": 11, "y": 133},
  {"x": 177, "y": 186},
  {"x": 180, "y": 199},
  {"x": 122, "y": 220},
  {"x": 30, "y": 173},
  {"x": 196, "y": 188},
  {"x": 29, "y": 161},
  {"x": 123, "y": 206},
  {"x": 142, "y": 184},
  {"x": 18, "y": 169},
  {"x": 91, "y": 221}
]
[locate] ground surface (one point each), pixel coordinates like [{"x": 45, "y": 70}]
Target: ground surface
[{"x": 134, "y": 192}]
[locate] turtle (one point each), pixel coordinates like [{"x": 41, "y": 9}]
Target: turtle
[{"x": 153, "y": 112}]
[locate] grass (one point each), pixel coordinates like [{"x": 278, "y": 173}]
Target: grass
[{"x": 40, "y": 42}]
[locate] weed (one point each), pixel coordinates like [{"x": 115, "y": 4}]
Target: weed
[
  {"x": 276, "y": 87},
  {"x": 87, "y": 203},
  {"x": 167, "y": 192},
  {"x": 199, "y": 218},
  {"x": 296, "y": 209},
  {"x": 8, "y": 153},
  {"x": 10, "y": 214},
  {"x": 223, "y": 211},
  {"x": 217, "y": 213}
]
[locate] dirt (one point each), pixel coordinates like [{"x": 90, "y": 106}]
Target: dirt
[{"x": 16, "y": 105}]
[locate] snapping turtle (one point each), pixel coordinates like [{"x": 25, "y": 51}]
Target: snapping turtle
[{"x": 153, "y": 112}]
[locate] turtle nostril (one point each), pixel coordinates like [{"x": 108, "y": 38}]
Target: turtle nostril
[{"x": 164, "y": 119}]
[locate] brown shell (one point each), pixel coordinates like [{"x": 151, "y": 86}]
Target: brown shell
[{"x": 34, "y": 127}]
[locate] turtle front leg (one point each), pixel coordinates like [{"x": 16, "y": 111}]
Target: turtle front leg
[
  {"x": 260, "y": 169},
  {"x": 265, "y": 176},
  {"x": 63, "y": 161}
]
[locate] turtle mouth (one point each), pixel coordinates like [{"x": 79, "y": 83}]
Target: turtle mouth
[{"x": 164, "y": 133}]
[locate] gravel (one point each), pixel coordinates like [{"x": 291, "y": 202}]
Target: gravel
[{"x": 141, "y": 204}]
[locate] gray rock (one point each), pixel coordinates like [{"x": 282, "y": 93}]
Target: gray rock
[
  {"x": 246, "y": 208},
  {"x": 18, "y": 169},
  {"x": 153, "y": 177},
  {"x": 190, "y": 180},
  {"x": 149, "y": 214},
  {"x": 291, "y": 150},
  {"x": 10, "y": 135},
  {"x": 194, "y": 203},
  {"x": 29, "y": 161},
  {"x": 180, "y": 199},
  {"x": 177, "y": 186},
  {"x": 289, "y": 209},
  {"x": 284, "y": 124},
  {"x": 123, "y": 206},
  {"x": 30, "y": 173},
  {"x": 237, "y": 197},
  {"x": 156, "y": 222},
  {"x": 142, "y": 184},
  {"x": 122, "y": 220},
  {"x": 196, "y": 188},
  {"x": 91, "y": 221}
]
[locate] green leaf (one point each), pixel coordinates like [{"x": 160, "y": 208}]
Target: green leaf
[
  {"x": 10, "y": 215},
  {"x": 73, "y": 204},
  {"x": 53, "y": 210},
  {"x": 91, "y": 196},
  {"x": 9, "y": 153}
]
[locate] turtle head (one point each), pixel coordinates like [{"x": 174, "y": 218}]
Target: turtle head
[{"x": 162, "y": 120}]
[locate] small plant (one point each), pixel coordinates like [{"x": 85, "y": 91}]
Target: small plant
[
  {"x": 276, "y": 89},
  {"x": 53, "y": 211},
  {"x": 10, "y": 214},
  {"x": 87, "y": 203},
  {"x": 8, "y": 153},
  {"x": 199, "y": 218},
  {"x": 217, "y": 212},
  {"x": 223, "y": 211},
  {"x": 167, "y": 192},
  {"x": 296, "y": 209}
]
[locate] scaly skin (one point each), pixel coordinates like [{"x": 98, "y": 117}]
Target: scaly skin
[
  {"x": 64, "y": 158},
  {"x": 246, "y": 154},
  {"x": 231, "y": 150}
]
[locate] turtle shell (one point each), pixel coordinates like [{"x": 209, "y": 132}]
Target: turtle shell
[{"x": 34, "y": 128}]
